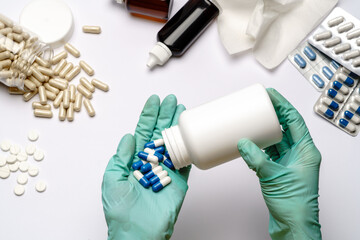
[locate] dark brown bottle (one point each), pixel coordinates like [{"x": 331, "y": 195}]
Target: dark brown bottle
[
  {"x": 158, "y": 10},
  {"x": 182, "y": 30}
]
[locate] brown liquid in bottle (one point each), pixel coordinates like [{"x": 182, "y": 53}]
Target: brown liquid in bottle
[{"x": 158, "y": 10}]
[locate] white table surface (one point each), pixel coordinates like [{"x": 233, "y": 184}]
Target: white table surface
[{"x": 218, "y": 205}]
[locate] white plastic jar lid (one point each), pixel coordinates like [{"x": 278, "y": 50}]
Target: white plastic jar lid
[{"x": 51, "y": 20}]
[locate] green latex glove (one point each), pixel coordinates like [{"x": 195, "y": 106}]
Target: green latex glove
[
  {"x": 289, "y": 175},
  {"x": 131, "y": 211}
]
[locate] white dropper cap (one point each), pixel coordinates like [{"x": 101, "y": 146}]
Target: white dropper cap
[{"x": 158, "y": 55}]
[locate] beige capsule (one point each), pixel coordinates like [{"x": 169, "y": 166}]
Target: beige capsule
[
  {"x": 73, "y": 73},
  {"x": 86, "y": 67},
  {"x": 30, "y": 85},
  {"x": 50, "y": 95},
  {"x": 7, "y": 21},
  {"x": 87, "y": 84},
  {"x": 72, "y": 90},
  {"x": 42, "y": 95},
  {"x": 51, "y": 88},
  {"x": 15, "y": 91},
  {"x": 18, "y": 38},
  {"x": 35, "y": 81},
  {"x": 5, "y": 64},
  {"x": 29, "y": 95},
  {"x": 58, "y": 100},
  {"x": 70, "y": 112},
  {"x": 5, "y": 55},
  {"x": 42, "y": 62},
  {"x": 89, "y": 108},
  {"x": 43, "y": 113},
  {"x": 58, "y": 84},
  {"x": 78, "y": 102},
  {"x": 66, "y": 69},
  {"x": 66, "y": 99},
  {"x": 100, "y": 85},
  {"x": 6, "y": 74},
  {"x": 2, "y": 25},
  {"x": 6, "y": 31},
  {"x": 60, "y": 56},
  {"x": 38, "y": 105},
  {"x": 62, "y": 112},
  {"x": 72, "y": 50},
  {"x": 91, "y": 29},
  {"x": 84, "y": 91},
  {"x": 17, "y": 29},
  {"x": 47, "y": 71},
  {"x": 37, "y": 74},
  {"x": 60, "y": 66}
]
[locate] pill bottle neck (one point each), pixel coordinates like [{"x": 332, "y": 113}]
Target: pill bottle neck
[{"x": 175, "y": 145}]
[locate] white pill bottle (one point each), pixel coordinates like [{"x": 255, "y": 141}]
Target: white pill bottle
[{"x": 207, "y": 135}]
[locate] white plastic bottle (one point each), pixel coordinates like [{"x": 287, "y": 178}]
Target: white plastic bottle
[{"x": 207, "y": 136}]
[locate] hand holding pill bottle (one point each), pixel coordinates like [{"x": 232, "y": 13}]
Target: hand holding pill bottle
[{"x": 133, "y": 210}]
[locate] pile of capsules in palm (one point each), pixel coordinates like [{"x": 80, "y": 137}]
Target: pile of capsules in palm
[
  {"x": 148, "y": 171},
  {"x": 28, "y": 68}
]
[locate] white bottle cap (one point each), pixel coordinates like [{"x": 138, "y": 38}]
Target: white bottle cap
[
  {"x": 51, "y": 20},
  {"x": 120, "y": 1},
  {"x": 158, "y": 55}
]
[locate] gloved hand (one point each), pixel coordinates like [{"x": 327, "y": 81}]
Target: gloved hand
[
  {"x": 289, "y": 175},
  {"x": 131, "y": 211}
]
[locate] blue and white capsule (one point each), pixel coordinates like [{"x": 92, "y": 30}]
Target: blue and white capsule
[
  {"x": 142, "y": 180},
  {"x": 347, "y": 125},
  {"x": 155, "y": 143},
  {"x": 318, "y": 81},
  {"x": 352, "y": 117},
  {"x": 167, "y": 155},
  {"x": 153, "y": 172},
  {"x": 137, "y": 165},
  {"x": 150, "y": 155},
  {"x": 327, "y": 72},
  {"x": 355, "y": 107},
  {"x": 161, "y": 184},
  {"x": 335, "y": 95},
  {"x": 325, "y": 111},
  {"x": 167, "y": 162},
  {"x": 330, "y": 103},
  {"x": 340, "y": 87},
  {"x": 148, "y": 167},
  {"x": 335, "y": 64},
  {"x": 160, "y": 149},
  {"x": 158, "y": 177},
  {"x": 299, "y": 60},
  {"x": 356, "y": 99},
  {"x": 310, "y": 54},
  {"x": 348, "y": 81}
]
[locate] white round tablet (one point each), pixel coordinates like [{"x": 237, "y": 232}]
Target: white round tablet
[
  {"x": 15, "y": 149},
  {"x": 51, "y": 20},
  {"x": 40, "y": 186},
  {"x": 24, "y": 166},
  {"x": 5, "y": 146},
  {"x": 2, "y": 161},
  {"x": 22, "y": 179},
  {"x": 33, "y": 171},
  {"x": 22, "y": 156},
  {"x": 33, "y": 135},
  {"x": 38, "y": 155},
  {"x": 4, "y": 172},
  {"x": 19, "y": 190},
  {"x": 14, "y": 167},
  {"x": 10, "y": 159},
  {"x": 30, "y": 149}
]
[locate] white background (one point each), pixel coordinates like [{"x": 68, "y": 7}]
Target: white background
[{"x": 222, "y": 203}]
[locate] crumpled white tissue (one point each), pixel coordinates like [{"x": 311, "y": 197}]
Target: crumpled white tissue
[{"x": 271, "y": 28}]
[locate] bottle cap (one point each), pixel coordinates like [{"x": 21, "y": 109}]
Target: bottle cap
[{"x": 158, "y": 55}]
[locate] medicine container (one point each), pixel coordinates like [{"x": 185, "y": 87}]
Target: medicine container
[
  {"x": 182, "y": 30},
  {"x": 207, "y": 136},
  {"x": 158, "y": 10}
]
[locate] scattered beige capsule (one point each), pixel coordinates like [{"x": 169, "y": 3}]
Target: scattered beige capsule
[
  {"x": 43, "y": 113},
  {"x": 42, "y": 62},
  {"x": 72, "y": 90},
  {"x": 91, "y": 29},
  {"x": 5, "y": 64},
  {"x": 29, "y": 95},
  {"x": 84, "y": 91},
  {"x": 100, "y": 85},
  {"x": 37, "y": 74},
  {"x": 78, "y": 101},
  {"x": 15, "y": 91},
  {"x": 42, "y": 95},
  {"x": 87, "y": 84},
  {"x": 6, "y": 32},
  {"x": 2, "y": 25},
  {"x": 66, "y": 99},
  {"x": 5, "y": 55},
  {"x": 25, "y": 35},
  {"x": 58, "y": 99},
  {"x": 30, "y": 85},
  {"x": 35, "y": 81},
  {"x": 7, "y": 21},
  {"x": 60, "y": 66},
  {"x": 86, "y": 67},
  {"x": 50, "y": 95},
  {"x": 60, "y": 56},
  {"x": 18, "y": 38},
  {"x": 62, "y": 112},
  {"x": 38, "y": 105},
  {"x": 47, "y": 71},
  {"x": 72, "y": 50},
  {"x": 6, "y": 74},
  {"x": 58, "y": 84},
  {"x": 51, "y": 88},
  {"x": 70, "y": 112},
  {"x": 89, "y": 108},
  {"x": 73, "y": 73},
  {"x": 66, "y": 69},
  {"x": 17, "y": 29}
]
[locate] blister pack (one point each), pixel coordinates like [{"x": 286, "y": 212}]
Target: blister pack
[
  {"x": 316, "y": 67},
  {"x": 340, "y": 102},
  {"x": 338, "y": 37}
]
